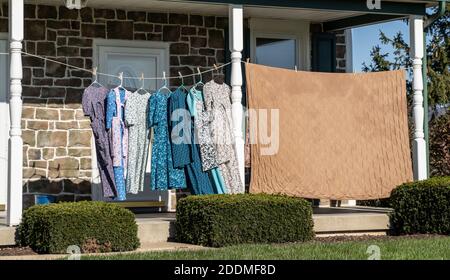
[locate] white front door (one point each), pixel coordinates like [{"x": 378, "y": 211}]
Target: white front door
[
  {"x": 133, "y": 59},
  {"x": 4, "y": 120}
]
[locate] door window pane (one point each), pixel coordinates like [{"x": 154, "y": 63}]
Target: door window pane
[{"x": 276, "y": 52}]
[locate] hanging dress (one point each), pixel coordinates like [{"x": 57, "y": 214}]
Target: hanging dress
[
  {"x": 136, "y": 111},
  {"x": 203, "y": 136},
  {"x": 217, "y": 103},
  {"x": 93, "y": 103},
  {"x": 185, "y": 149},
  {"x": 163, "y": 174},
  {"x": 115, "y": 103}
]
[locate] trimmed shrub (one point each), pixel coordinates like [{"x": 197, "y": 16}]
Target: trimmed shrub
[
  {"x": 221, "y": 220},
  {"x": 422, "y": 207},
  {"x": 52, "y": 228}
]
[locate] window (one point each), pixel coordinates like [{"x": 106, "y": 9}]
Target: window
[
  {"x": 133, "y": 59},
  {"x": 276, "y": 52},
  {"x": 280, "y": 43}
]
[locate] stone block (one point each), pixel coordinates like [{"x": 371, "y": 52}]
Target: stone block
[
  {"x": 68, "y": 51},
  {"x": 79, "y": 138},
  {"x": 51, "y": 92},
  {"x": 104, "y": 13},
  {"x": 38, "y": 164},
  {"x": 171, "y": 33},
  {"x": 210, "y": 21},
  {"x": 188, "y": 30},
  {"x": 86, "y": 14},
  {"x": 66, "y": 115},
  {"x": 193, "y": 60},
  {"x": 181, "y": 19},
  {"x": 196, "y": 20},
  {"x": 137, "y": 16},
  {"x": 77, "y": 186},
  {"x": 66, "y": 163},
  {"x": 52, "y": 138},
  {"x": 48, "y": 153},
  {"x": 29, "y": 137},
  {"x": 79, "y": 152},
  {"x": 29, "y": 11},
  {"x": 27, "y": 172},
  {"x": 157, "y": 17},
  {"x": 85, "y": 163},
  {"x": 47, "y": 114},
  {"x": 66, "y": 125},
  {"x": 45, "y": 186},
  {"x": 120, "y": 30},
  {"x": 79, "y": 42},
  {"x": 34, "y": 30},
  {"x": 179, "y": 48},
  {"x": 58, "y": 24},
  {"x": 46, "y": 12},
  {"x": 60, "y": 152},
  {"x": 216, "y": 39},
  {"x": 65, "y": 13},
  {"x": 198, "y": 42},
  {"x": 143, "y": 27},
  {"x": 28, "y": 113},
  {"x": 93, "y": 30},
  {"x": 37, "y": 125}
]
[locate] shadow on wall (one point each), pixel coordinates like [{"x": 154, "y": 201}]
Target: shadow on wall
[{"x": 47, "y": 191}]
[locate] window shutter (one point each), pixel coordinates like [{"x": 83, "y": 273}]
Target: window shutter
[{"x": 324, "y": 52}]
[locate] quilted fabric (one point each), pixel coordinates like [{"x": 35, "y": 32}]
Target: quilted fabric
[{"x": 341, "y": 136}]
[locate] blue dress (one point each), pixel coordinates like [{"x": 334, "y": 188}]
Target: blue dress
[
  {"x": 113, "y": 110},
  {"x": 163, "y": 174},
  {"x": 185, "y": 150}
]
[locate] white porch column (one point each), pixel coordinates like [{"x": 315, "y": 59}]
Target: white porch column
[
  {"x": 236, "y": 30},
  {"x": 417, "y": 52},
  {"x": 14, "y": 210}
]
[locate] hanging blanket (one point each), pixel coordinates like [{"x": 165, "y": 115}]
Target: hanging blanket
[{"x": 341, "y": 136}]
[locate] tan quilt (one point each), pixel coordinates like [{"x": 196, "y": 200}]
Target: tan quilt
[{"x": 341, "y": 136}]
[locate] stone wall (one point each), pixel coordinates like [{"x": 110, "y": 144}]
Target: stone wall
[
  {"x": 341, "y": 52},
  {"x": 56, "y": 135}
]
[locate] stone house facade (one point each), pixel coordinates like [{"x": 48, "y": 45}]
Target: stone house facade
[{"x": 56, "y": 134}]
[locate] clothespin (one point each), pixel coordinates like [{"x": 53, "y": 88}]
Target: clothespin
[
  {"x": 200, "y": 74},
  {"x": 215, "y": 67},
  {"x": 94, "y": 73},
  {"x": 121, "y": 78},
  {"x": 142, "y": 79},
  {"x": 248, "y": 60},
  {"x": 296, "y": 70},
  {"x": 181, "y": 78}
]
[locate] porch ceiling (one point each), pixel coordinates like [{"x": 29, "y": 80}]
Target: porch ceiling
[{"x": 217, "y": 9}]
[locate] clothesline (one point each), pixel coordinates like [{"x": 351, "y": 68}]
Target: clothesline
[{"x": 95, "y": 73}]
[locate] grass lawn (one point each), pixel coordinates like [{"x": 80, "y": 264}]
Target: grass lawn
[{"x": 401, "y": 248}]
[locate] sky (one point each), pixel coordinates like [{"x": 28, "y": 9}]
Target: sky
[{"x": 364, "y": 38}]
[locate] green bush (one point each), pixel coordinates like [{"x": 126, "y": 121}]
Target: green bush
[
  {"x": 52, "y": 228},
  {"x": 221, "y": 220},
  {"x": 422, "y": 207}
]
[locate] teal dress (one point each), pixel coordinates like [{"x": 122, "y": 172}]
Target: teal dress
[
  {"x": 163, "y": 174},
  {"x": 195, "y": 104},
  {"x": 185, "y": 150}
]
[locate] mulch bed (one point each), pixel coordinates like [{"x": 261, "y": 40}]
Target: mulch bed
[{"x": 16, "y": 251}]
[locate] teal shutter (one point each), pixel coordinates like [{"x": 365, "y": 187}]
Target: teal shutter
[{"x": 324, "y": 52}]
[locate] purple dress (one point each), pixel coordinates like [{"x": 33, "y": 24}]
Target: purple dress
[{"x": 93, "y": 103}]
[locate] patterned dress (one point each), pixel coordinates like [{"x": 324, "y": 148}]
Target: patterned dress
[
  {"x": 163, "y": 174},
  {"x": 217, "y": 103},
  {"x": 203, "y": 136},
  {"x": 93, "y": 103},
  {"x": 115, "y": 103},
  {"x": 185, "y": 150},
  {"x": 136, "y": 111}
]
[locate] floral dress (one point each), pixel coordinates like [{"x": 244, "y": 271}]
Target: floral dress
[
  {"x": 136, "y": 111},
  {"x": 163, "y": 174},
  {"x": 115, "y": 103},
  {"x": 218, "y": 104},
  {"x": 93, "y": 103}
]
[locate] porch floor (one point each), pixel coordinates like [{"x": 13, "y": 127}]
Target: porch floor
[{"x": 159, "y": 227}]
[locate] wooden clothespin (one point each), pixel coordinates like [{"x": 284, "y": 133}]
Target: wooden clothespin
[
  {"x": 143, "y": 80},
  {"x": 296, "y": 70},
  {"x": 181, "y": 78},
  {"x": 121, "y": 78},
  {"x": 94, "y": 71},
  {"x": 248, "y": 60}
]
